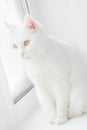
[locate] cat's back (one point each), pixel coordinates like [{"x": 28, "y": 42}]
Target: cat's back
[
  {"x": 58, "y": 46},
  {"x": 59, "y": 51}
]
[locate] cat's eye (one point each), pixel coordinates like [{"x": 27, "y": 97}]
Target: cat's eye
[
  {"x": 26, "y": 42},
  {"x": 15, "y": 46}
]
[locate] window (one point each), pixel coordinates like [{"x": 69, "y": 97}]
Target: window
[{"x": 13, "y": 11}]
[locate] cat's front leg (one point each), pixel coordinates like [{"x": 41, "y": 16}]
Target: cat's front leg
[
  {"x": 62, "y": 100},
  {"x": 47, "y": 102}
]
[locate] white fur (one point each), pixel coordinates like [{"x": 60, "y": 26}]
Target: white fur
[{"x": 58, "y": 72}]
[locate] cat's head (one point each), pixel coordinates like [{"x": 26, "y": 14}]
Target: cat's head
[{"x": 27, "y": 38}]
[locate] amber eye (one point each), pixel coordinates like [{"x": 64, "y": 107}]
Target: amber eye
[
  {"x": 15, "y": 46},
  {"x": 26, "y": 43}
]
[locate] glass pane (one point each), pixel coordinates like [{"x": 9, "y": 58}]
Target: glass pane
[{"x": 19, "y": 84}]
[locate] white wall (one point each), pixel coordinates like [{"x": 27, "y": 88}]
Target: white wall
[{"x": 66, "y": 19}]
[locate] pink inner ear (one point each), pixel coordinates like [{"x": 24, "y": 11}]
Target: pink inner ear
[{"x": 29, "y": 22}]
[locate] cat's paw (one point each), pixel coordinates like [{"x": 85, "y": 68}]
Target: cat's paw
[
  {"x": 71, "y": 114},
  {"x": 52, "y": 120},
  {"x": 58, "y": 120},
  {"x": 74, "y": 113}
]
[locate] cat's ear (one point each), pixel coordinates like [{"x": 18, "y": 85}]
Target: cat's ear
[
  {"x": 30, "y": 22},
  {"x": 11, "y": 28}
]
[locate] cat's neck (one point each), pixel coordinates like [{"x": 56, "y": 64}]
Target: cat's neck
[{"x": 41, "y": 48}]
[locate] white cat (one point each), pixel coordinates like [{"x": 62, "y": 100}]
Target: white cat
[{"x": 57, "y": 70}]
